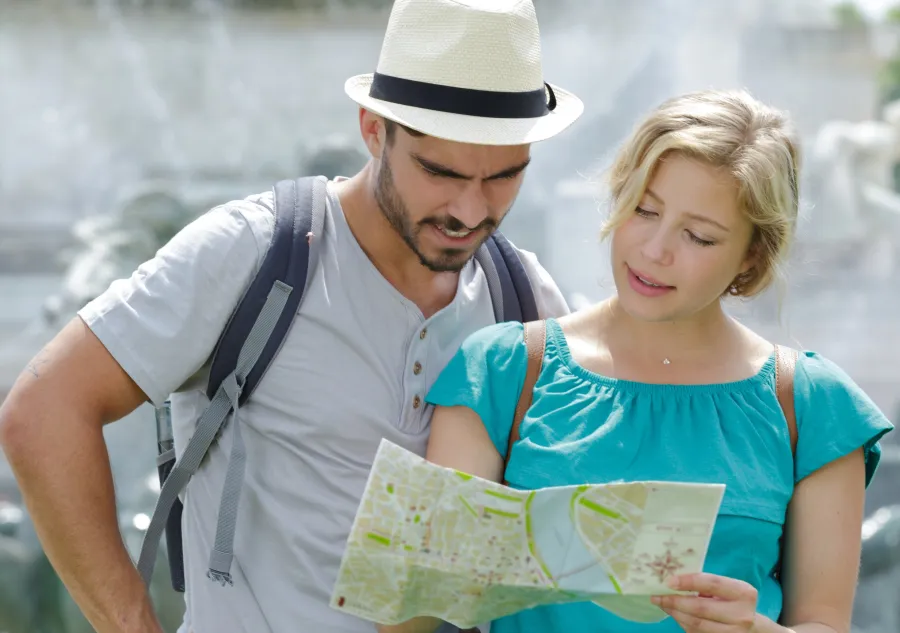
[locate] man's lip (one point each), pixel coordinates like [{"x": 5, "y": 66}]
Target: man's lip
[
  {"x": 652, "y": 280},
  {"x": 463, "y": 227},
  {"x": 455, "y": 240}
]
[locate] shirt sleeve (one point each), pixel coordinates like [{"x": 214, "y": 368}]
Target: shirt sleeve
[
  {"x": 162, "y": 323},
  {"x": 486, "y": 375},
  {"x": 834, "y": 417}
]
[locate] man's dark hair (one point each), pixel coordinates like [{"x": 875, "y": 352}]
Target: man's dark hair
[{"x": 390, "y": 130}]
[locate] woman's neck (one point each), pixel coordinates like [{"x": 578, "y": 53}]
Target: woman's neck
[
  {"x": 683, "y": 341},
  {"x": 709, "y": 348}
]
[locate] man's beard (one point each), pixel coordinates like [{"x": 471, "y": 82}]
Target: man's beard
[{"x": 395, "y": 212}]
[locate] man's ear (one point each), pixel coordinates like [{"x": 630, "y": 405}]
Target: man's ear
[{"x": 374, "y": 134}]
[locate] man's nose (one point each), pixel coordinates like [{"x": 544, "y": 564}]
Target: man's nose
[{"x": 471, "y": 206}]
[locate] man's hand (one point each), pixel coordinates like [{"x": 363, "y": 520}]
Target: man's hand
[{"x": 722, "y": 605}]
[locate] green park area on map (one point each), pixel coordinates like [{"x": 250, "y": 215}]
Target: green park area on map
[{"x": 429, "y": 540}]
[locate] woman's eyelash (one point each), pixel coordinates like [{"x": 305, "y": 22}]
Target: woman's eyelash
[
  {"x": 700, "y": 241},
  {"x": 697, "y": 240}
]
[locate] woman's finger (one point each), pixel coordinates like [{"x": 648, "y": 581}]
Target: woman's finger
[
  {"x": 714, "y": 585},
  {"x": 693, "y": 624},
  {"x": 712, "y": 609}
]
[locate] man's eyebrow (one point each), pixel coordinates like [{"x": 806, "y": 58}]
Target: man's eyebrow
[
  {"x": 515, "y": 170},
  {"x": 446, "y": 172}
]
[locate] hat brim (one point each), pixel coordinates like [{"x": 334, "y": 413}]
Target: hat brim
[{"x": 464, "y": 128}]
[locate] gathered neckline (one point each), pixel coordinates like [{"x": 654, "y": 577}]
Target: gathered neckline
[{"x": 556, "y": 335}]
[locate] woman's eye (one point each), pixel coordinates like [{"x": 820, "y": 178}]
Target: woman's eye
[
  {"x": 700, "y": 240},
  {"x": 644, "y": 212}
]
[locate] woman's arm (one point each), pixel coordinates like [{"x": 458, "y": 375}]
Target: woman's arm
[
  {"x": 822, "y": 548},
  {"x": 820, "y": 568},
  {"x": 458, "y": 440}
]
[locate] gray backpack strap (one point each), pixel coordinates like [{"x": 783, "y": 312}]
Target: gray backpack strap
[
  {"x": 208, "y": 428},
  {"x": 249, "y": 343},
  {"x": 508, "y": 282}
]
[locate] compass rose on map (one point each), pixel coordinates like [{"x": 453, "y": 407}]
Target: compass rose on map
[{"x": 664, "y": 566}]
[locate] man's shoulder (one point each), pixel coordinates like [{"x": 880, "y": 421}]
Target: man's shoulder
[
  {"x": 255, "y": 211},
  {"x": 260, "y": 204},
  {"x": 162, "y": 321},
  {"x": 550, "y": 299}
]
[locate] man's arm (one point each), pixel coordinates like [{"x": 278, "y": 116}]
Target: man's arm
[{"x": 51, "y": 430}]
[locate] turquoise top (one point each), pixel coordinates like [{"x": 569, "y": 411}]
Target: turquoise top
[{"x": 587, "y": 428}]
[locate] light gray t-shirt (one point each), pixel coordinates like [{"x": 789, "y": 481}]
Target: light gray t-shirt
[{"x": 354, "y": 368}]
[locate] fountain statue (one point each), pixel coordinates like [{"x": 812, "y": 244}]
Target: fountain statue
[
  {"x": 111, "y": 245},
  {"x": 849, "y": 170}
]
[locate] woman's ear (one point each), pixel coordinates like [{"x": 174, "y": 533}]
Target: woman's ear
[
  {"x": 751, "y": 259},
  {"x": 747, "y": 273}
]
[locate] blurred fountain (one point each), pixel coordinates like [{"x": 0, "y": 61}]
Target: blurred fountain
[
  {"x": 153, "y": 102},
  {"x": 876, "y": 609},
  {"x": 126, "y": 120}
]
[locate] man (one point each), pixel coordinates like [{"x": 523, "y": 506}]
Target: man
[{"x": 448, "y": 118}]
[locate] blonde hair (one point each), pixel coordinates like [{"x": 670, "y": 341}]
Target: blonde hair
[{"x": 731, "y": 130}]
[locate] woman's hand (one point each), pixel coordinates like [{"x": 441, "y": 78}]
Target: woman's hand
[{"x": 723, "y": 605}]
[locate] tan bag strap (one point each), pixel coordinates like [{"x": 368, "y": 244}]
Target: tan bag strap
[
  {"x": 535, "y": 341},
  {"x": 785, "y": 362}
]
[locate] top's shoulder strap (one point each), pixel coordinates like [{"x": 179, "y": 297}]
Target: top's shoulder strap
[
  {"x": 785, "y": 363},
  {"x": 535, "y": 342},
  {"x": 508, "y": 281},
  {"x": 299, "y": 218}
]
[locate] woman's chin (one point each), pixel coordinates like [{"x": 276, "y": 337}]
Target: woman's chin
[{"x": 640, "y": 309}]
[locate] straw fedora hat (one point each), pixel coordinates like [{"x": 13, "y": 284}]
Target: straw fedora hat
[{"x": 467, "y": 71}]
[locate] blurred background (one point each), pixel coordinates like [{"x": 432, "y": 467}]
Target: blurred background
[{"x": 122, "y": 120}]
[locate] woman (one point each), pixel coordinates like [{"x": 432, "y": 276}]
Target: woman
[{"x": 659, "y": 383}]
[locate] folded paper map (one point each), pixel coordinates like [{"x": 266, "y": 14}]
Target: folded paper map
[{"x": 429, "y": 540}]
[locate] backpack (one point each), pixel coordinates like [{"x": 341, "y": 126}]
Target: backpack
[
  {"x": 246, "y": 348},
  {"x": 535, "y": 334}
]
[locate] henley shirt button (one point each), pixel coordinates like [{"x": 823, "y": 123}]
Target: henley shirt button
[
  {"x": 423, "y": 333},
  {"x": 417, "y": 368},
  {"x": 416, "y": 402}
]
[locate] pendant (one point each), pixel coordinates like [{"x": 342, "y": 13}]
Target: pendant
[{"x": 666, "y": 361}]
